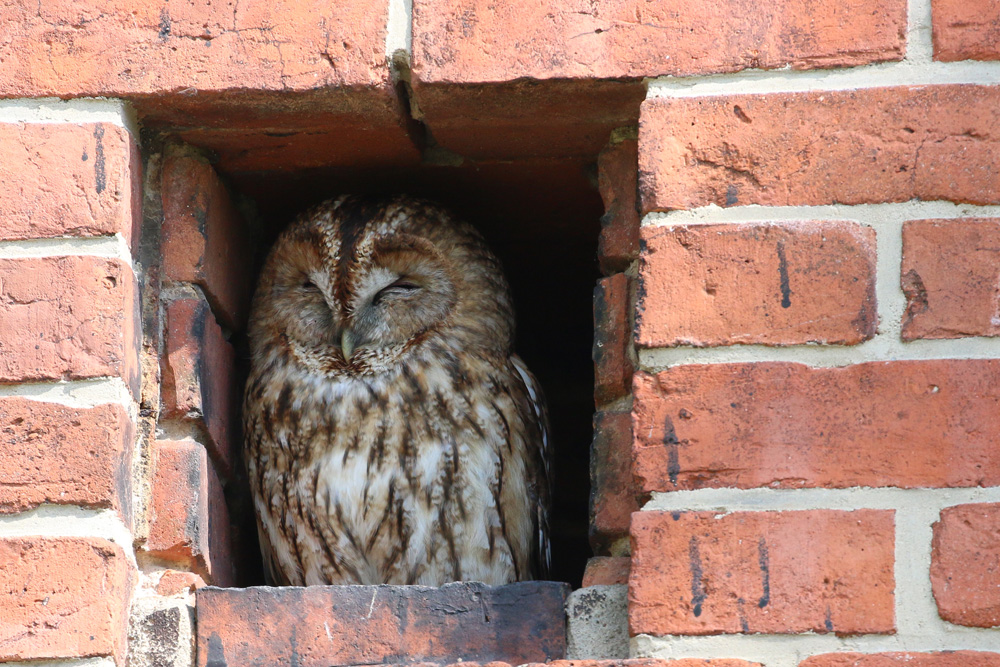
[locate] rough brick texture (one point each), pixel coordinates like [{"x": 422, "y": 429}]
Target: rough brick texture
[
  {"x": 612, "y": 491},
  {"x": 68, "y": 318},
  {"x": 631, "y": 662},
  {"x": 965, "y": 564},
  {"x": 200, "y": 381},
  {"x": 612, "y": 339},
  {"x": 50, "y": 453},
  {"x": 896, "y": 423},
  {"x": 459, "y": 42},
  {"x": 966, "y": 30},
  {"x": 66, "y": 598},
  {"x": 771, "y": 572},
  {"x": 338, "y": 626},
  {"x": 606, "y": 571},
  {"x": 949, "y": 278},
  {"x": 188, "y": 519},
  {"x": 945, "y": 659},
  {"x": 205, "y": 239},
  {"x": 617, "y": 179},
  {"x": 849, "y": 147},
  {"x": 119, "y": 49},
  {"x": 768, "y": 283},
  {"x": 63, "y": 179}
]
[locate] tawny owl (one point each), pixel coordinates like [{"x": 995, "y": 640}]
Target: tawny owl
[{"x": 392, "y": 435}]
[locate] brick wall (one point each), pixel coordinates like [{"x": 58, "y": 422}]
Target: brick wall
[{"x": 795, "y": 460}]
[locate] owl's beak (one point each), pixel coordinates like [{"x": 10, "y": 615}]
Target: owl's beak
[{"x": 347, "y": 342}]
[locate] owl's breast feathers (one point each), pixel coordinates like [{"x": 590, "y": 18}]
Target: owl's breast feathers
[{"x": 433, "y": 471}]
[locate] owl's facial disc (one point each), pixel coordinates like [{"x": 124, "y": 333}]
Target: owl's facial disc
[{"x": 399, "y": 295}]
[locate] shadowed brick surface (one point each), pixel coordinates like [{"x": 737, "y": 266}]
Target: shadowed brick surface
[{"x": 334, "y": 626}]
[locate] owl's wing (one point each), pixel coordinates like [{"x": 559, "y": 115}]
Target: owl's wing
[{"x": 542, "y": 456}]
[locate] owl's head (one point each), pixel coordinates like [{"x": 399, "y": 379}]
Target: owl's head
[{"x": 357, "y": 283}]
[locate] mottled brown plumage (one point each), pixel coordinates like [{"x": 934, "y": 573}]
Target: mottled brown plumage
[{"x": 392, "y": 435}]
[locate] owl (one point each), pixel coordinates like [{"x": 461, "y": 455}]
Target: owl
[{"x": 392, "y": 435}]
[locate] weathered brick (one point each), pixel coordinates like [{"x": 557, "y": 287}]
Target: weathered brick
[
  {"x": 612, "y": 489},
  {"x": 188, "y": 519},
  {"x": 67, "y": 318},
  {"x": 63, "y": 179},
  {"x": 527, "y": 119},
  {"x": 205, "y": 239},
  {"x": 174, "y": 582},
  {"x": 200, "y": 380},
  {"x": 625, "y": 662},
  {"x": 339, "y": 626},
  {"x": 64, "y": 597},
  {"x": 50, "y": 453},
  {"x": 612, "y": 337},
  {"x": 474, "y": 42},
  {"x": 120, "y": 49},
  {"x": 906, "y": 424},
  {"x": 606, "y": 571},
  {"x": 768, "y": 283},
  {"x": 966, "y": 30},
  {"x": 944, "y": 659},
  {"x": 949, "y": 278},
  {"x": 848, "y": 147},
  {"x": 965, "y": 564},
  {"x": 696, "y": 573},
  {"x": 617, "y": 179}
]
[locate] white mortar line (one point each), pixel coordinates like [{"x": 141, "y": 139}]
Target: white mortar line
[
  {"x": 755, "y": 82},
  {"x": 399, "y": 29},
  {"x": 111, "y": 247},
  {"x": 919, "y": 45},
  {"x": 68, "y": 521},
  {"x": 789, "y": 650},
  {"x": 760, "y": 500},
  {"x": 83, "y": 110},
  {"x": 79, "y": 394},
  {"x": 872, "y": 213}
]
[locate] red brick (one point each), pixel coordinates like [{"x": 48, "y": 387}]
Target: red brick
[
  {"x": 188, "y": 519},
  {"x": 767, "y": 283},
  {"x": 613, "y": 492},
  {"x": 949, "y": 278},
  {"x": 848, "y": 147},
  {"x": 50, "y": 453},
  {"x": 363, "y": 625},
  {"x": 966, "y": 30},
  {"x": 63, "y": 179},
  {"x": 697, "y": 573},
  {"x": 625, "y": 662},
  {"x": 527, "y": 119},
  {"x": 63, "y": 598},
  {"x": 649, "y": 662},
  {"x": 907, "y": 424},
  {"x": 120, "y": 49},
  {"x": 200, "y": 380},
  {"x": 965, "y": 565},
  {"x": 617, "y": 176},
  {"x": 473, "y": 42},
  {"x": 612, "y": 338},
  {"x": 944, "y": 659},
  {"x": 68, "y": 318},
  {"x": 261, "y": 85},
  {"x": 205, "y": 239},
  {"x": 605, "y": 571},
  {"x": 173, "y": 582}
]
